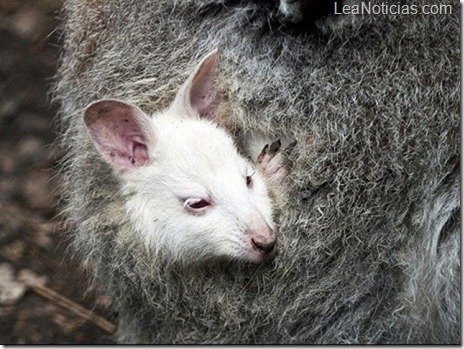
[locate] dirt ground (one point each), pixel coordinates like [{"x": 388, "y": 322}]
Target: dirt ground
[{"x": 31, "y": 239}]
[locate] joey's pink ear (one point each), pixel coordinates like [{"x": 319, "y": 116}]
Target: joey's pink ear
[
  {"x": 198, "y": 93},
  {"x": 121, "y": 132}
]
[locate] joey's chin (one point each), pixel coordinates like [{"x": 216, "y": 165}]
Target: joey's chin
[{"x": 256, "y": 256}]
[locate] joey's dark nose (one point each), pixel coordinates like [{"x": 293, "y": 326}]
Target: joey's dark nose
[{"x": 265, "y": 246}]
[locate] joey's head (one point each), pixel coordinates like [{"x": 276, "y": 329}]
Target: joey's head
[{"x": 189, "y": 193}]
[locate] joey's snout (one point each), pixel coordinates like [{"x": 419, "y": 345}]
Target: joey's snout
[{"x": 262, "y": 243}]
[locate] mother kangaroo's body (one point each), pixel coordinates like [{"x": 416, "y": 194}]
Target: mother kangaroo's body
[{"x": 369, "y": 242}]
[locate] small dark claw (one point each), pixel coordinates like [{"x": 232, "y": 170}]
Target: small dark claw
[
  {"x": 263, "y": 153},
  {"x": 275, "y": 146}
]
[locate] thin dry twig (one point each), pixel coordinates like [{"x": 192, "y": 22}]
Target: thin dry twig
[{"x": 74, "y": 307}]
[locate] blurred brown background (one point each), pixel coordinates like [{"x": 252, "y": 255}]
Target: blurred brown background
[{"x": 31, "y": 239}]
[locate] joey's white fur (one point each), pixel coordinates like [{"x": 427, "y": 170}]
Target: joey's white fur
[{"x": 190, "y": 195}]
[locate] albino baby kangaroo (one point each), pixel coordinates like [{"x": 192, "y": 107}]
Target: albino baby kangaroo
[{"x": 190, "y": 195}]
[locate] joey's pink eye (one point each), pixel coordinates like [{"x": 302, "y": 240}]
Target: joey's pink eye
[
  {"x": 196, "y": 204},
  {"x": 199, "y": 204},
  {"x": 249, "y": 181}
]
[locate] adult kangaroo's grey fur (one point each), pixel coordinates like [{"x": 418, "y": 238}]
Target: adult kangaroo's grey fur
[{"x": 369, "y": 244}]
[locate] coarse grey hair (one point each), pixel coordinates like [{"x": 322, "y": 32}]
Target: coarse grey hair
[{"x": 369, "y": 240}]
